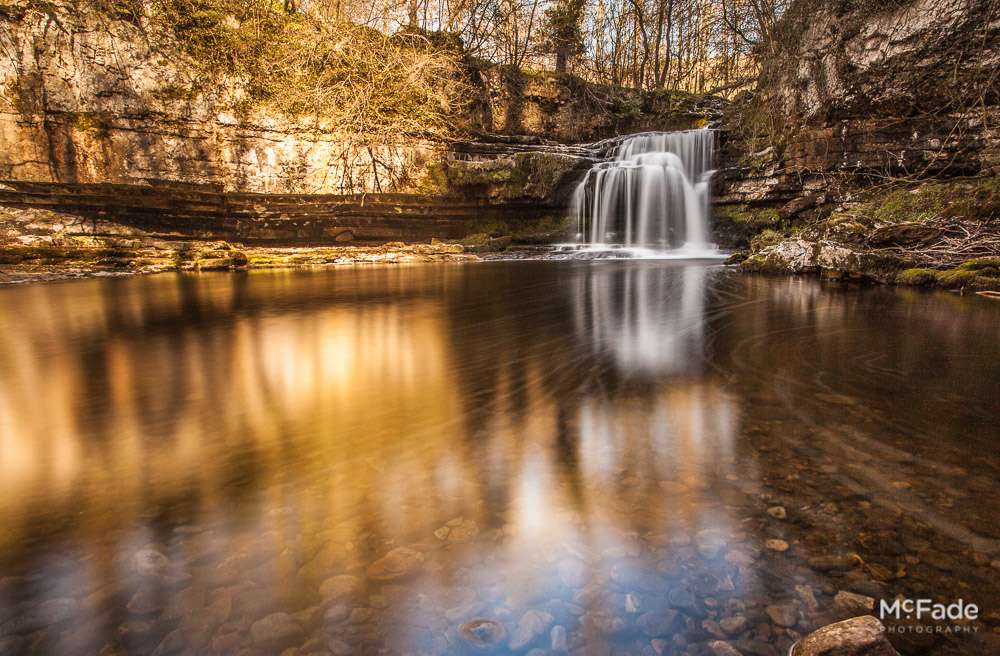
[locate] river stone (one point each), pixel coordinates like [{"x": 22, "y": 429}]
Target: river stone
[
  {"x": 682, "y": 598},
  {"x": 806, "y": 596},
  {"x": 360, "y": 615},
  {"x": 558, "y": 640},
  {"x": 532, "y": 624},
  {"x": 227, "y": 641},
  {"x": 720, "y": 648},
  {"x": 658, "y": 624},
  {"x": 778, "y": 512},
  {"x": 149, "y": 561},
  {"x": 463, "y": 531},
  {"x": 786, "y": 614},
  {"x": 829, "y": 563},
  {"x": 399, "y": 563},
  {"x": 712, "y": 628},
  {"x": 132, "y": 628},
  {"x": 340, "y": 587},
  {"x": 172, "y": 643},
  {"x": 483, "y": 633},
  {"x": 603, "y": 622},
  {"x": 858, "y": 636},
  {"x": 853, "y": 603},
  {"x": 276, "y": 630},
  {"x": 734, "y": 625},
  {"x": 336, "y": 613},
  {"x": 339, "y": 647},
  {"x": 220, "y": 609},
  {"x": 775, "y": 544}
]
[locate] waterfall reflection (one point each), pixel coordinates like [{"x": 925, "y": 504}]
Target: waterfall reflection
[{"x": 650, "y": 319}]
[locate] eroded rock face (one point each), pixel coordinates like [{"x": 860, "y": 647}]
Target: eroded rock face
[
  {"x": 858, "y": 636},
  {"x": 891, "y": 86},
  {"x": 863, "y": 92}
]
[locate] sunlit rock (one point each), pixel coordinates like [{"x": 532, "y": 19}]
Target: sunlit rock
[
  {"x": 858, "y": 636},
  {"x": 853, "y": 603}
]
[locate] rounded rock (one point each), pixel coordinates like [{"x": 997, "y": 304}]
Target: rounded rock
[{"x": 483, "y": 633}]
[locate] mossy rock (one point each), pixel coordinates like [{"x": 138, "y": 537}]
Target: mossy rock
[
  {"x": 957, "y": 278},
  {"x": 765, "y": 238},
  {"x": 917, "y": 277},
  {"x": 987, "y": 266},
  {"x": 972, "y": 200},
  {"x": 735, "y": 226},
  {"x": 531, "y": 175}
]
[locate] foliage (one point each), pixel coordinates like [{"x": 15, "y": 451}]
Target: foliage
[
  {"x": 349, "y": 78},
  {"x": 564, "y": 30}
]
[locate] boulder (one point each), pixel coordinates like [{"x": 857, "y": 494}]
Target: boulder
[{"x": 858, "y": 636}]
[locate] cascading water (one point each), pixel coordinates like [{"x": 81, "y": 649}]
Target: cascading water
[{"x": 654, "y": 194}]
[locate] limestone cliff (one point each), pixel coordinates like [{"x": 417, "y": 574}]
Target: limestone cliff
[
  {"x": 857, "y": 105},
  {"x": 100, "y": 117}
]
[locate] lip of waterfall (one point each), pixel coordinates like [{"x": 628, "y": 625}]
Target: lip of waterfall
[
  {"x": 650, "y": 201},
  {"x": 619, "y": 251}
]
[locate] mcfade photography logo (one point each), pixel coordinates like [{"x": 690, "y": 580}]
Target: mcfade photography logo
[{"x": 903, "y": 615}]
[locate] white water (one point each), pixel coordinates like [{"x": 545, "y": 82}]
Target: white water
[{"x": 652, "y": 199}]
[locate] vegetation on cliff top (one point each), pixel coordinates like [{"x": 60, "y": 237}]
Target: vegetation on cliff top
[{"x": 349, "y": 78}]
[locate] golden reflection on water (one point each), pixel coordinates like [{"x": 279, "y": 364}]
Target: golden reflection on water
[{"x": 265, "y": 432}]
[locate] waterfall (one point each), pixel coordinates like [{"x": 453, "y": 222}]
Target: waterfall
[{"x": 653, "y": 194}]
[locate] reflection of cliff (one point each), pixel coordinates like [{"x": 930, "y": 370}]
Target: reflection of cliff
[{"x": 126, "y": 395}]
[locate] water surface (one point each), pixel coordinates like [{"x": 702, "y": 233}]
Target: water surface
[{"x": 588, "y": 454}]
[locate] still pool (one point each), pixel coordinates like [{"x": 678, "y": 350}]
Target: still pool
[{"x": 604, "y": 457}]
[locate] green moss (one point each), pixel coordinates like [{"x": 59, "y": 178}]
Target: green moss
[
  {"x": 765, "y": 238},
  {"x": 987, "y": 266},
  {"x": 958, "y": 199},
  {"x": 433, "y": 181},
  {"x": 478, "y": 239},
  {"x": 760, "y": 216},
  {"x": 956, "y": 278},
  {"x": 916, "y": 277}
]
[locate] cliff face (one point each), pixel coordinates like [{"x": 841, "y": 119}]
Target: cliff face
[
  {"x": 909, "y": 87},
  {"x": 905, "y": 88},
  {"x": 91, "y": 99},
  {"x": 100, "y": 118},
  {"x": 858, "y": 104}
]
